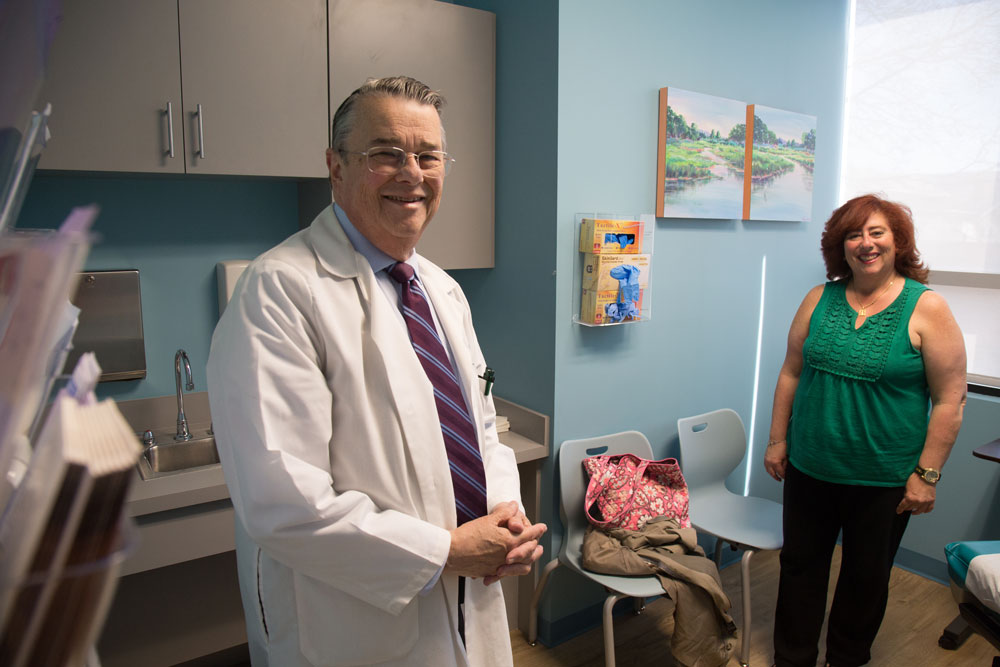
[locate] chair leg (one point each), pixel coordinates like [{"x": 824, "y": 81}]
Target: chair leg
[
  {"x": 609, "y": 629},
  {"x": 638, "y": 605},
  {"x": 745, "y": 585},
  {"x": 719, "y": 543},
  {"x": 536, "y": 598}
]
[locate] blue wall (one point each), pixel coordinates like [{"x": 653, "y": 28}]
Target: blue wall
[
  {"x": 173, "y": 230},
  {"x": 698, "y": 351},
  {"x": 512, "y": 303}
]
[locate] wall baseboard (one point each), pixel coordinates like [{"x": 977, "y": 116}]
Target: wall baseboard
[{"x": 925, "y": 566}]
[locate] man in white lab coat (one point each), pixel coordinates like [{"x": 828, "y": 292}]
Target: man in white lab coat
[{"x": 348, "y": 542}]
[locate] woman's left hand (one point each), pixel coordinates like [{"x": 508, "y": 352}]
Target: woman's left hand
[
  {"x": 918, "y": 498},
  {"x": 776, "y": 459}
]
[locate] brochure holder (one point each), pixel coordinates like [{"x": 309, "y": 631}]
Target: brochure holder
[{"x": 613, "y": 283}]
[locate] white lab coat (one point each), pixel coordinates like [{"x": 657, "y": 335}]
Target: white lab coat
[{"x": 331, "y": 447}]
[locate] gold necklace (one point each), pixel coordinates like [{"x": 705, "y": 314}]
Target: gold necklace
[{"x": 864, "y": 307}]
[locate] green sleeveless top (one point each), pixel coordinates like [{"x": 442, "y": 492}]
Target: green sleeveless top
[{"x": 861, "y": 407}]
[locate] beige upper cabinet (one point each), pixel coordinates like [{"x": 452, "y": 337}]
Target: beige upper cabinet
[
  {"x": 240, "y": 88},
  {"x": 257, "y": 69},
  {"x": 450, "y": 48},
  {"x": 115, "y": 90}
]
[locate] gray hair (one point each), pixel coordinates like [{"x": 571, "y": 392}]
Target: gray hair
[{"x": 402, "y": 87}]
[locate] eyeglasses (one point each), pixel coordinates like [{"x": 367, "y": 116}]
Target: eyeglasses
[{"x": 388, "y": 160}]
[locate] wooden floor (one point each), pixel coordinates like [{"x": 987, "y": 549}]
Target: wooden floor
[{"x": 919, "y": 609}]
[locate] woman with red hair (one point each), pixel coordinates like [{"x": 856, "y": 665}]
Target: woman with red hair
[{"x": 866, "y": 409}]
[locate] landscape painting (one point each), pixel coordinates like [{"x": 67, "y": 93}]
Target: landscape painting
[
  {"x": 781, "y": 181},
  {"x": 719, "y": 158},
  {"x": 701, "y": 155}
]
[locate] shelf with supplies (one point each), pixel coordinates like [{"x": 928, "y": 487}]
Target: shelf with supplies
[
  {"x": 523, "y": 430},
  {"x": 615, "y": 271}
]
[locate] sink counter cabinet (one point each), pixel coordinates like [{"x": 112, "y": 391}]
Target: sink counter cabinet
[
  {"x": 126, "y": 81},
  {"x": 178, "y": 598}
]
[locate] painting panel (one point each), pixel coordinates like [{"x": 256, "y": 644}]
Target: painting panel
[
  {"x": 780, "y": 186},
  {"x": 700, "y": 155}
]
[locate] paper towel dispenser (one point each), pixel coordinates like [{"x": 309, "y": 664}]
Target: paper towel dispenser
[
  {"x": 110, "y": 324},
  {"x": 227, "y": 272}
]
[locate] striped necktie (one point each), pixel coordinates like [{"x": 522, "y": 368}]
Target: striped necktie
[{"x": 467, "y": 475}]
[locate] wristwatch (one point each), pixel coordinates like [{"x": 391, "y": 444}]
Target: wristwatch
[{"x": 929, "y": 475}]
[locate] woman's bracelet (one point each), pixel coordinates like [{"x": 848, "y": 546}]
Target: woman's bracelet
[{"x": 772, "y": 443}]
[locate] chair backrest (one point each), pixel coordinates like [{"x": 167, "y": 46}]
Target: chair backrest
[
  {"x": 712, "y": 445},
  {"x": 573, "y": 478}
]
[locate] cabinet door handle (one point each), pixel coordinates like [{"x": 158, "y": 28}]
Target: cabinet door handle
[
  {"x": 201, "y": 133},
  {"x": 170, "y": 129}
]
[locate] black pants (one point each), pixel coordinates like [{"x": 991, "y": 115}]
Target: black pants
[{"x": 814, "y": 513}]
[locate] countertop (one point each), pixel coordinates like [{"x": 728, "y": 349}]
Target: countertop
[
  {"x": 187, "y": 514},
  {"x": 180, "y": 489},
  {"x": 206, "y": 484}
]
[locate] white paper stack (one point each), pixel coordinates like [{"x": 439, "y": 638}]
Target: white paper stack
[{"x": 503, "y": 424}]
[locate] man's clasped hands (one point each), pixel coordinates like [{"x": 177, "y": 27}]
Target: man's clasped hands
[{"x": 501, "y": 544}]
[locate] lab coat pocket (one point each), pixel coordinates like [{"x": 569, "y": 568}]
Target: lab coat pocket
[
  {"x": 257, "y": 615},
  {"x": 338, "y": 629},
  {"x": 255, "y": 576}
]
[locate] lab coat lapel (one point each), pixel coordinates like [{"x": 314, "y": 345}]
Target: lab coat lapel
[
  {"x": 333, "y": 250},
  {"x": 400, "y": 371},
  {"x": 418, "y": 418}
]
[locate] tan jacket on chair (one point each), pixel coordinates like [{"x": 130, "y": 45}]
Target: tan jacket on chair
[{"x": 704, "y": 632}]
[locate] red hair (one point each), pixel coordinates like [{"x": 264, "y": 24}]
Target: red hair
[{"x": 852, "y": 216}]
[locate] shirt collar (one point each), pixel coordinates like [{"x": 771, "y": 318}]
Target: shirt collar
[{"x": 377, "y": 259}]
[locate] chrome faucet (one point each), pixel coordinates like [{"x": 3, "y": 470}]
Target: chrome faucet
[{"x": 182, "y": 424}]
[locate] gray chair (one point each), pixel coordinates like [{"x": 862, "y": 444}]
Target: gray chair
[
  {"x": 712, "y": 446},
  {"x": 573, "y": 487}
]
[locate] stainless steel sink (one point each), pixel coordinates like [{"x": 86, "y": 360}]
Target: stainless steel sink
[{"x": 170, "y": 456}]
